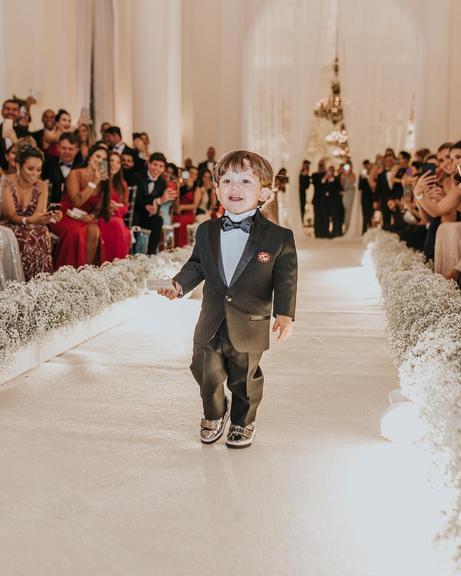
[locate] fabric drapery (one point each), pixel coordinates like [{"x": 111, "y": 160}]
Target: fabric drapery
[{"x": 281, "y": 84}]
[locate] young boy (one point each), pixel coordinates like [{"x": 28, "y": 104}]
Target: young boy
[{"x": 246, "y": 261}]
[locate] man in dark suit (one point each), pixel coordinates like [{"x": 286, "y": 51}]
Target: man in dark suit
[
  {"x": 48, "y": 121},
  {"x": 207, "y": 164},
  {"x": 56, "y": 169},
  {"x": 151, "y": 193},
  {"x": 319, "y": 202},
  {"x": 304, "y": 183},
  {"x": 384, "y": 190},
  {"x": 247, "y": 263}
]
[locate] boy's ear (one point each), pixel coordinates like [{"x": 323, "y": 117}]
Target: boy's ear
[{"x": 264, "y": 194}]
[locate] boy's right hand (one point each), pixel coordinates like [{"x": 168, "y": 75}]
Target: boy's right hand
[{"x": 171, "y": 293}]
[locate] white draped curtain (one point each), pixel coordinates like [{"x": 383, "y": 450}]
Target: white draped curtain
[
  {"x": 282, "y": 73},
  {"x": 84, "y": 52},
  {"x": 103, "y": 62},
  {"x": 378, "y": 56}
]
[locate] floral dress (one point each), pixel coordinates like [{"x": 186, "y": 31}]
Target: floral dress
[{"x": 33, "y": 239}]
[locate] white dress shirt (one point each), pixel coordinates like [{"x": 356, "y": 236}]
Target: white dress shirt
[{"x": 233, "y": 243}]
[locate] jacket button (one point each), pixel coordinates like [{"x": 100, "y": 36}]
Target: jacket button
[{"x": 229, "y": 297}]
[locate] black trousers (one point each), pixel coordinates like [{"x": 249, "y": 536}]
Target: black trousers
[
  {"x": 217, "y": 361},
  {"x": 320, "y": 219}
]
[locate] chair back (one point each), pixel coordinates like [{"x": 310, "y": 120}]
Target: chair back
[{"x": 132, "y": 191}]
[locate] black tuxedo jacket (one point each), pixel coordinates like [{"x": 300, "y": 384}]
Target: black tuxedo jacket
[
  {"x": 383, "y": 191},
  {"x": 266, "y": 272},
  {"x": 203, "y": 166},
  {"x": 141, "y": 180},
  {"x": 51, "y": 171}
]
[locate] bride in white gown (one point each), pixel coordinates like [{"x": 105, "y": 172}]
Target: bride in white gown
[{"x": 10, "y": 257}]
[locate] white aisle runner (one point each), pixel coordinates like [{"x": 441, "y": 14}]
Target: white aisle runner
[{"x": 102, "y": 472}]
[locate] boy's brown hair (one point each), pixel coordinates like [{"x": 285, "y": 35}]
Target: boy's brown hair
[{"x": 240, "y": 160}]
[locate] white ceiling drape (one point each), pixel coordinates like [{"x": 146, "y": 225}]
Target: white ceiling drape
[{"x": 281, "y": 79}]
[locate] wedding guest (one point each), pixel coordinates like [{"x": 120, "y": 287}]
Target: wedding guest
[
  {"x": 398, "y": 172},
  {"x": 385, "y": 189},
  {"x": 79, "y": 235},
  {"x": 102, "y": 130},
  {"x": 10, "y": 258},
  {"x": 304, "y": 183},
  {"x": 116, "y": 237},
  {"x": 141, "y": 149},
  {"x": 186, "y": 168},
  {"x": 334, "y": 203},
  {"x": 320, "y": 203},
  {"x": 437, "y": 203},
  {"x": 56, "y": 169},
  {"x": 347, "y": 179},
  {"x": 8, "y": 135},
  {"x": 113, "y": 135},
  {"x": 48, "y": 121},
  {"x": 63, "y": 123},
  {"x": 11, "y": 167},
  {"x": 25, "y": 209},
  {"x": 84, "y": 143},
  {"x": 205, "y": 199},
  {"x": 186, "y": 205},
  {"x": 209, "y": 163},
  {"x": 129, "y": 169},
  {"x": 366, "y": 186},
  {"x": 151, "y": 193}
]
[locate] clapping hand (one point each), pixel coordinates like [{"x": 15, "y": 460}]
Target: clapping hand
[
  {"x": 284, "y": 325},
  {"x": 425, "y": 184}
]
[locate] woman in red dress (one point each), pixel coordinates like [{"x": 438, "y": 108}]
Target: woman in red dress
[
  {"x": 79, "y": 234},
  {"x": 116, "y": 237},
  {"x": 25, "y": 209},
  {"x": 186, "y": 206}
]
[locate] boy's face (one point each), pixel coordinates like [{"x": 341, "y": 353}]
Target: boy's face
[{"x": 239, "y": 192}]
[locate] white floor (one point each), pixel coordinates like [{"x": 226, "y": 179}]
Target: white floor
[{"x": 102, "y": 473}]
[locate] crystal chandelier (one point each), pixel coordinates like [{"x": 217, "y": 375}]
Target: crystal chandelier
[{"x": 331, "y": 108}]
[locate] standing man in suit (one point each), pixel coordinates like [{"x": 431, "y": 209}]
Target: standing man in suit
[
  {"x": 207, "y": 164},
  {"x": 56, "y": 169},
  {"x": 49, "y": 122},
  {"x": 384, "y": 190},
  {"x": 247, "y": 263},
  {"x": 319, "y": 202},
  {"x": 151, "y": 193},
  {"x": 304, "y": 183}
]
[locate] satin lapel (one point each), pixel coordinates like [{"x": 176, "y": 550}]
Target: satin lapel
[
  {"x": 215, "y": 242},
  {"x": 258, "y": 231}
]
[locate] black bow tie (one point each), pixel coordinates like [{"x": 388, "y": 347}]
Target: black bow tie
[
  {"x": 245, "y": 224},
  {"x": 64, "y": 164}
]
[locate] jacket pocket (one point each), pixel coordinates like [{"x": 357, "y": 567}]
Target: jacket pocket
[{"x": 253, "y": 317}]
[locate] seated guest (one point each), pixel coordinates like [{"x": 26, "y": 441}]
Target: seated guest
[
  {"x": 10, "y": 258},
  {"x": 444, "y": 202},
  {"x": 63, "y": 123},
  {"x": 129, "y": 169},
  {"x": 25, "y": 209},
  {"x": 79, "y": 235},
  {"x": 141, "y": 148},
  {"x": 151, "y": 193},
  {"x": 8, "y": 132},
  {"x": 113, "y": 135},
  {"x": 48, "y": 121},
  {"x": 115, "y": 236},
  {"x": 56, "y": 169},
  {"x": 11, "y": 166},
  {"x": 84, "y": 143},
  {"x": 205, "y": 197},
  {"x": 186, "y": 205}
]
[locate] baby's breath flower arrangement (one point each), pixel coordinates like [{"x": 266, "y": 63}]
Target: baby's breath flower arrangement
[
  {"x": 32, "y": 312},
  {"x": 423, "y": 314}
]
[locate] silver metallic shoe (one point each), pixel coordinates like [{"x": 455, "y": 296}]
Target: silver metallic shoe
[
  {"x": 239, "y": 437},
  {"x": 212, "y": 430}
]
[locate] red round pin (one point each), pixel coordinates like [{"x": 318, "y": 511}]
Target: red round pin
[{"x": 264, "y": 257}]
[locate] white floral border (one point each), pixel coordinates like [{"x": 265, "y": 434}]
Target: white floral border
[
  {"x": 423, "y": 313},
  {"x": 32, "y": 312}
]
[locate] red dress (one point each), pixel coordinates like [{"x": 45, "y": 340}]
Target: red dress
[
  {"x": 186, "y": 217},
  {"x": 115, "y": 235},
  {"x": 73, "y": 235}
]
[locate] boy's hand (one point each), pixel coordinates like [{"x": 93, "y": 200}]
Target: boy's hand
[
  {"x": 172, "y": 292},
  {"x": 284, "y": 324}
]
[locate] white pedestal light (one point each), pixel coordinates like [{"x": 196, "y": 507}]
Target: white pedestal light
[{"x": 401, "y": 421}]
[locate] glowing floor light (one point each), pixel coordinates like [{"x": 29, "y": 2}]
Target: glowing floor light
[{"x": 401, "y": 421}]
